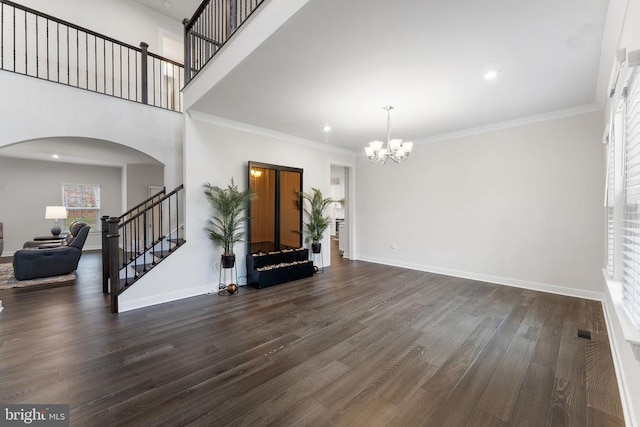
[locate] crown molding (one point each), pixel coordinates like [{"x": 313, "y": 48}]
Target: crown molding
[
  {"x": 245, "y": 127},
  {"x": 552, "y": 115}
]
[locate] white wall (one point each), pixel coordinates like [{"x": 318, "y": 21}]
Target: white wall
[
  {"x": 49, "y": 109},
  {"x": 139, "y": 178},
  {"x": 27, "y": 186},
  {"x": 216, "y": 154},
  {"x": 519, "y": 206},
  {"x": 123, "y": 20}
]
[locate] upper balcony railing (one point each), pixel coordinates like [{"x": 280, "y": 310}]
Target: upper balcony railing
[
  {"x": 211, "y": 26},
  {"x": 38, "y": 45}
]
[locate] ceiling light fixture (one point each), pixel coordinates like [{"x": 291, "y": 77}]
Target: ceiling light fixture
[
  {"x": 326, "y": 128},
  {"x": 55, "y": 156},
  {"x": 394, "y": 149},
  {"x": 491, "y": 74},
  {"x": 167, "y": 4}
]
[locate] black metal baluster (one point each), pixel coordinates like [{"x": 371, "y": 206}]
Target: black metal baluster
[
  {"x": 182, "y": 77},
  {"x": 128, "y": 74},
  {"x": 77, "y": 58},
  {"x": 113, "y": 71},
  {"x": 26, "y": 48},
  {"x": 154, "y": 83},
  {"x": 68, "y": 70},
  {"x": 162, "y": 235},
  {"x": 169, "y": 231},
  {"x": 136, "y": 73},
  {"x": 58, "y": 51},
  {"x": 146, "y": 242},
  {"x": 86, "y": 57},
  {"x": 104, "y": 66},
  {"x": 37, "y": 49},
  {"x": 95, "y": 60},
  {"x": 14, "y": 39},
  {"x": 48, "y": 62},
  {"x": 153, "y": 235},
  {"x": 2, "y": 36},
  {"x": 136, "y": 245},
  {"x": 177, "y": 219},
  {"x": 121, "y": 65}
]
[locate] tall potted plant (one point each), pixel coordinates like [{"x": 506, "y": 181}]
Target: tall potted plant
[
  {"x": 315, "y": 220},
  {"x": 225, "y": 224}
]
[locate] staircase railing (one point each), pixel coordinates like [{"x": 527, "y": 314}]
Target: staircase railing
[
  {"x": 142, "y": 206},
  {"x": 211, "y": 26},
  {"x": 136, "y": 242},
  {"x": 39, "y": 45}
]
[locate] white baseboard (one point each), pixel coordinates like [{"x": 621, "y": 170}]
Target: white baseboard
[
  {"x": 535, "y": 286},
  {"x": 124, "y": 305}
]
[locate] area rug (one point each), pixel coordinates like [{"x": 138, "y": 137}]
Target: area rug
[{"x": 8, "y": 281}]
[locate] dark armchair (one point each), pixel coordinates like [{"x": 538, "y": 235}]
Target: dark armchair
[
  {"x": 52, "y": 242},
  {"x": 34, "y": 263}
]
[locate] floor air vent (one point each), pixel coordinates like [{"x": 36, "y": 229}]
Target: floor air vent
[{"x": 584, "y": 334}]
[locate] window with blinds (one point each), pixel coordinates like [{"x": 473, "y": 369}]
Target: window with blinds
[
  {"x": 631, "y": 225},
  {"x": 610, "y": 201},
  {"x": 83, "y": 204}
]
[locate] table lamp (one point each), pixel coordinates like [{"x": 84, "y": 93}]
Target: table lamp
[{"x": 56, "y": 213}]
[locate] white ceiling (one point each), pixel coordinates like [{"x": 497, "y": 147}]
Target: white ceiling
[
  {"x": 339, "y": 62},
  {"x": 77, "y": 150},
  {"x": 174, "y": 9}
]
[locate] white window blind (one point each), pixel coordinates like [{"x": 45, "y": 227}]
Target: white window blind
[
  {"x": 610, "y": 201},
  {"x": 631, "y": 225}
]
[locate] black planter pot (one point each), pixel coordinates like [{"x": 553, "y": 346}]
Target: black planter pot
[
  {"x": 228, "y": 261},
  {"x": 316, "y": 248}
]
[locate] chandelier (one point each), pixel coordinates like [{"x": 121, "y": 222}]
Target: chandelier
[{"x": 394, "y": 149}]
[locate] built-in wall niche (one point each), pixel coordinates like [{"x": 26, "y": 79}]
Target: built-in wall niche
[{"x": 275, "y": 215}]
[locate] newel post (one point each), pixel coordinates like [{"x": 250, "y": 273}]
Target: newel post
[
  {"x": 187, "y": 51},
  {"x": 144, "y": 73},
  {"x": 114, "y": 273},
  {"x": 105, "y": 254}
]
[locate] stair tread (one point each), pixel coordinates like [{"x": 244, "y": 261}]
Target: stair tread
[{"x": 143, "y": 267}]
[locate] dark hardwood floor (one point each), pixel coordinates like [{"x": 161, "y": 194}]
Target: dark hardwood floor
[{"x": 359, "y": 345}]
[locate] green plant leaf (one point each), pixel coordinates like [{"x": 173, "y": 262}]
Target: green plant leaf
[
  {"x": 225, "y": 224},
  {"x": 315, "y": 220}
]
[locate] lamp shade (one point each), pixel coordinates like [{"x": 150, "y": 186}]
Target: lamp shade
[
  {"x": 55, "y": 212},
  {"x": 376, "y": 145}
]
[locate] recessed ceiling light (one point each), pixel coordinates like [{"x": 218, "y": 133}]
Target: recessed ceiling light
[
  {"x": 55, "y": 156},
  {"x": 167, "y": 4},
  {"x": 326, "y": 128},
  {"x": 491, "y": 74}
]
